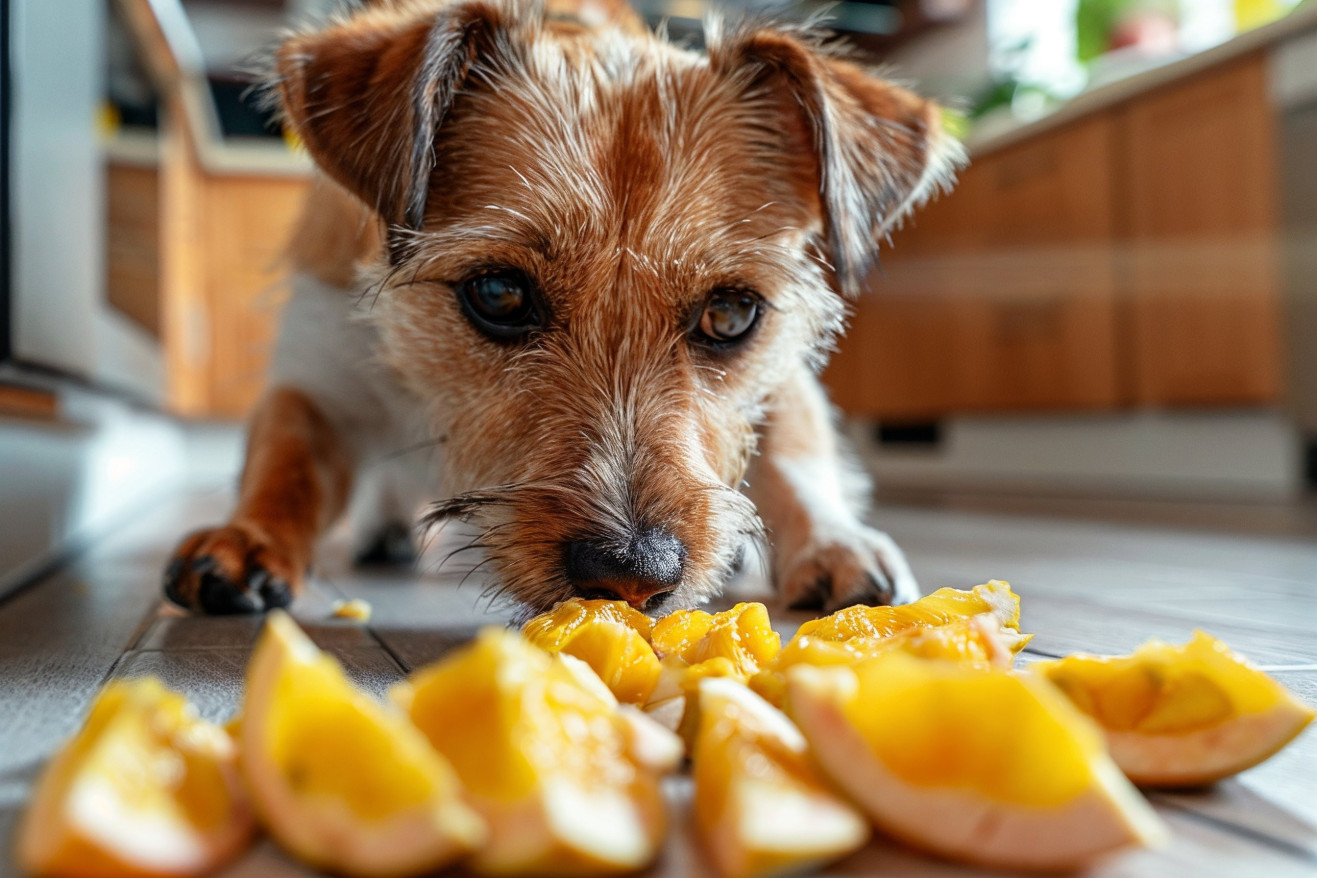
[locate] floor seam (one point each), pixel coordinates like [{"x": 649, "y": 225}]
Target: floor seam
[{"x": 1281, "y": 845}]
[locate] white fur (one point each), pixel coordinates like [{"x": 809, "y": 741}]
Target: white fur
[{"x": 328, "y": 350}]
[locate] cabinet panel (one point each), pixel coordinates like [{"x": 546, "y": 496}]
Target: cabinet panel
[
  {"x": 132, "y": 243},
  {"x": 247, "y": 226},
  {"x": 898, "y": 359},
  {"x": 1001, "y": 296},
  {"x": 1202, "y": 224}
]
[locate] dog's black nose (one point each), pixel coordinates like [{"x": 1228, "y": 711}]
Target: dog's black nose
[{"x": 635, "y": 572}]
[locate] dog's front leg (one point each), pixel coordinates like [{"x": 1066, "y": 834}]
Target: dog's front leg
[
  {"x": 813, "y": 498},
  {"x": 294, "y": 483}
]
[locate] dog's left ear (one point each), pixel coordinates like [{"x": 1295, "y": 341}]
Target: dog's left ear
[
  {"x": 368, "y": 95},
  {"x": 876, "y": 150}
]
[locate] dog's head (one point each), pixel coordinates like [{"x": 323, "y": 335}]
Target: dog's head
[{"x": 605, "y": 253}]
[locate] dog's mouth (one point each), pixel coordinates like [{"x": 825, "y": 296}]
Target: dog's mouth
[{"x": 545, "y": 543}]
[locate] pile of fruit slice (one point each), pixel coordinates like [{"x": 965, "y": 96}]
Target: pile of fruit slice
[
  {"x": 530, "y": 754},
  {"x": 502, "y": 756}
]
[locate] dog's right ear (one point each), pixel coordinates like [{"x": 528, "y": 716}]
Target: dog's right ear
[
  {"x": 874, "y": 150},
  {"x": 368, "y": 95}
]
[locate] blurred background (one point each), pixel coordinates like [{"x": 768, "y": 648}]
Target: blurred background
[{"x": 1113, "y": 310}]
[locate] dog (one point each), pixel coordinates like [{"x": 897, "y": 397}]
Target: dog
[{"x": 596, "y": 273}]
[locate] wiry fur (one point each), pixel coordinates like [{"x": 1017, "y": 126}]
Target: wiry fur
[{"x": 629, "y": 178}]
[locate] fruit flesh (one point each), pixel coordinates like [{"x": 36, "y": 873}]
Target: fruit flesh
[
  {"x": 145, "y": 788},
  {"x": 341, "y": 781},
  {"x": 980, "y": 765},
  {"x": 693, "y": 645},
  {"x": 552, "y": 764},
  {"x": 610, "y": 636},
  {"x": 977, "y": 641},
  {"x": 939, "y": 608},
  {"x": 742, "y": 636},
  {"x": 760, "y": 806},
  {"x": 1181, "y": 716}
]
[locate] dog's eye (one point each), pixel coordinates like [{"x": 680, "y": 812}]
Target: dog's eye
[
  {"x": 729, "y": 315},
  {"x": 501, "y": 304}
]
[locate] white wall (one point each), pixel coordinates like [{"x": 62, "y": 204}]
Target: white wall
[{"x": 60, "y": 316}]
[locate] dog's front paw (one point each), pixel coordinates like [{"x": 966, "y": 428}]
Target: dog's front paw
[
  {"x": 232, "y": 569},
  {"x": 860, "y": 566}
]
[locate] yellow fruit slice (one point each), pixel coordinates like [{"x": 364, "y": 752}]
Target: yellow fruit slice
[
  {"x": 145, "y": 788},
  {"x": 1181, "y": 715},
  {"x": 988, "y": 766},
  {"x": 743, "y": 635},
  {"x": 567, "y": 781},
  {"x": 760, "y": 807},
  {"x": 694, "y": 644},
  {"x": 610, "y": 636},
  {"x": 939, "y": 608},
  {"x": 978, "y": 641},
  {"x": 341, "y": 781}
]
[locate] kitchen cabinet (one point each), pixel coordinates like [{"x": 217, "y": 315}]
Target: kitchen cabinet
[
  {"x": 1127, "y": 257},
  {"x": 246, "y": 227},
  {"x": 1002, "y": 296},
  {"x": 132, "y": 242}
]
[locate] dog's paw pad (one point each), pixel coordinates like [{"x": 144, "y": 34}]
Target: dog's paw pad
[
  {"x": 231, "y": 570},
  {"x": 219, "y": 596},
  {"x": 861, "y": 567},
  {"x": 810, "y": 594}
]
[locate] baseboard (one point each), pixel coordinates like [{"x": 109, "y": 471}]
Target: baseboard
[{"x": 1156, "y": 455}]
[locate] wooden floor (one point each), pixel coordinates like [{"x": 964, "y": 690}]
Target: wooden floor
[{"x": 1086, "y": 585}]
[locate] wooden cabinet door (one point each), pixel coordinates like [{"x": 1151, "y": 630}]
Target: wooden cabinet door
[
  {"x": 247, "y": 225},
  {"x": 132, "y": 242},
  {"x": 1001, "y": 296},
  {"x": 898, "y": 358},
  {"x": 1201, "y": 159}
]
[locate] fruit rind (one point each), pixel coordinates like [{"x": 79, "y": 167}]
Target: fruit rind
[
  {"x": 1205, "y": 756},
  {"x": 955, "y": 822},
  {"x": 1181, "y": 716}
]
